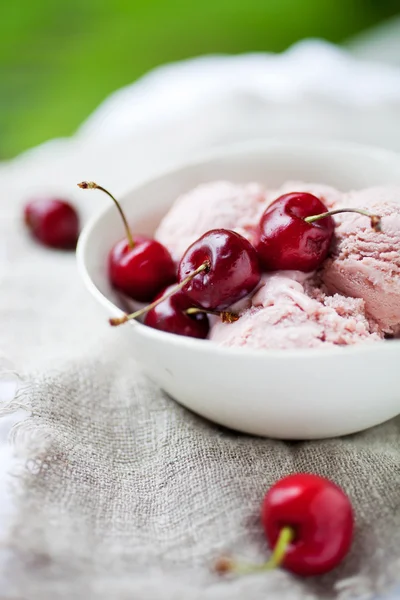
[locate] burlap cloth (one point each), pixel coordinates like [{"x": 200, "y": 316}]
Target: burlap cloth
[{"x": 119, "y": 492}]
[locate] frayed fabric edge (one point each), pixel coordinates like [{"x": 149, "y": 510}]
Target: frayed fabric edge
[
  {"x": 29, "y": 445},
  {"x": 28, "y": 441}
]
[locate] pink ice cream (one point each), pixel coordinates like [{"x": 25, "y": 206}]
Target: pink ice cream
[
  {"x": 289, "y": 311},
  {"x": 356, "y": 295},
  {"x": 327, "y": 194},
  {"x": 226, "y": 205},
  {"x": 210, "y": 206},
  {"x": 366, "y": 264}
]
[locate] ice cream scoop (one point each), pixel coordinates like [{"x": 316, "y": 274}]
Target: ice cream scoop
[
  {"x": 289, "y": 311},
  {"x": 215, "y": 205},
  {"x": 366, "y": 264}
]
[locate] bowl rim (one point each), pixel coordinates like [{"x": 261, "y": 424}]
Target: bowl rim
[{"x": 198, "y": 159}]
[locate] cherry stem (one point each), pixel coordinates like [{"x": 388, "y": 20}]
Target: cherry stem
[
  {"x": 227, "y": 565},
  {"x": 226, "y": 316},
  {"x": 115, "y": 322},
  {"x": 285, "y": 538},
  {"x": 91, "y": 185},
  {"x": 375, "y": 219}
]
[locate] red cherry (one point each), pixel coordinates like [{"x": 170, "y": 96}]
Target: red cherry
[
  {"x": 320, "y": 516},
  {"x": 55, "y": 223},
  {"x": 296, "y": 232},
  {"x": 232, "y": 269},
  {"x": 141, "y": 271},
  {"x": 167, "y": 312},
  {"x": 171, "y": 316},
  {"x": 138, "y": 267},
  {"x": 287, "y": 241}
]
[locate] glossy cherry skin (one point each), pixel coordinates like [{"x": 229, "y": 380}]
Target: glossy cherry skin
[
  {"x": 142, "y": 271},
  {"x": 53, "y": 222},
  {"x": 233, "y": 272},
  {"x": 170, "y": 316},
  {"x": 321, "y": 516},
  {"x": 288, "y": 242}
]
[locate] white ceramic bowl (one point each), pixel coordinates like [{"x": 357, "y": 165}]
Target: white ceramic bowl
[{"x": 296, "y": 394}]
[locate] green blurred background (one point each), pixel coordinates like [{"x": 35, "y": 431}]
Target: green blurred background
[{"x": 59, "y": 60}]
